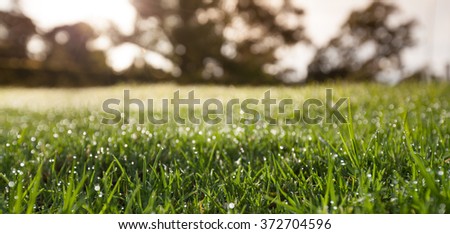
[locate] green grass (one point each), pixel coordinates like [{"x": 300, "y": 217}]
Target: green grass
[{"x": 391, "y": 157}]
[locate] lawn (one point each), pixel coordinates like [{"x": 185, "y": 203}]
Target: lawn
[{"x": 392, "y": 155}]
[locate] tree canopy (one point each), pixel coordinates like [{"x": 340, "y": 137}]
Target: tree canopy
[
  {"x": 63, "y": 57},
  {"x": 15, "y": 32},
  {"x": 221, "y": 40},
  {"x": 367, "y": 44}
]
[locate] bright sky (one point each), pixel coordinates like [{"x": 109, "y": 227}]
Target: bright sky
[
  {"x": 49, "y": 13},
  {"x": 323, "y": 20}
]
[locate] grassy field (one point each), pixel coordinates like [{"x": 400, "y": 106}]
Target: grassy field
[{"x": 392, "y": 156}]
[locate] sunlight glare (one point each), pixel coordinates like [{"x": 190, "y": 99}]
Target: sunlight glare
[{"x": 122, "y": 57}]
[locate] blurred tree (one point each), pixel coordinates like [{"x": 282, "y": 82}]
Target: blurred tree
[
  {"x": 68, "y": 49},
  {"x": 368, "y": 45},
  {"x": 60, "y": 57},
  {"x": 15, "y": 32},
  {"x": 70, "y": 59},
  {"x": 223, "y": 41}
]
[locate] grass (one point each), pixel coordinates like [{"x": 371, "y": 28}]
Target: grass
[{"x": 391, "y": 157}]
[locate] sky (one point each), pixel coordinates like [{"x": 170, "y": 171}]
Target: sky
[{"x": 322, "y": 21}]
